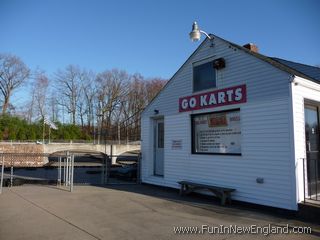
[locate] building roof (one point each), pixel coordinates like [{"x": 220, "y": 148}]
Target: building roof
[
  {"x": 311, "y": 71},
  {"x": 305, "y": 71}
]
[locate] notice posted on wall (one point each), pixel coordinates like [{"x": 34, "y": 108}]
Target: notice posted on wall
[
  {"x": 177, "y": 144},
  {"x": 217, "y": 133}
]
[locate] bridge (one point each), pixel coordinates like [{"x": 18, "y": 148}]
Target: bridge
[{"x": 33, "y": 151}]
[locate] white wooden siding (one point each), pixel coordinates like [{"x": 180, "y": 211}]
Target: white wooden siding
[
  {"x": 302, "y": 90},
  {"x": 265, "y": 123},
  {"x": 262, "y": 79}
]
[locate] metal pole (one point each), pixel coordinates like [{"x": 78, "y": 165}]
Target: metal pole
[
  {"x": 67, "y": 170},
  {"x": 72, "y": 171},
  {"x": 94, "y": 129},
  {"x": 111, "y": 152},
  {"x": 72, "y": 168},
  {"x": 59, "y": 172},
  {"x": 103, "y": 167},
  {"x": 99, "y": 130},
  {"x": 11, "y": 176},
  {"x": 70, "y": 162},
  {"x": 64, "y": 171},
  {"x": 43, "y": 129},
  {"x": 49, "y": 133},
  {"x": 2, "y": 172},
  {"x": 316, "y": 176},
  {"x": 109, "y": 163},
  {"x": 308, "y": 165},
  {"x": 304, "y": 181},
  {"x": 138, "y": 168},
  {"x": 119, "y": 136},
  {"x": 106, "y": 179}
]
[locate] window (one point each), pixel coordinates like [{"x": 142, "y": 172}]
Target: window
[
  {"x": 204, "y": 76},
  {"x": 216, "y": 133},
  {"x": 160, "y": 135}
]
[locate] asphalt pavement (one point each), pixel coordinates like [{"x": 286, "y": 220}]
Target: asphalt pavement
[{"x": 128, "y": 212}]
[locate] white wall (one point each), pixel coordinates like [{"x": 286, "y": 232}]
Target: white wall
[
  {"x": 265, "y": 122},
  {"x": 302, "y": 90}
]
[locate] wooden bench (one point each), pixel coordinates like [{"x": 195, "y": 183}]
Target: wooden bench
[{"x": 221, "y": 192}]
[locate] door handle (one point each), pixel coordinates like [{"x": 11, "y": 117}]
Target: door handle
[{"x": 309, "y": 146}]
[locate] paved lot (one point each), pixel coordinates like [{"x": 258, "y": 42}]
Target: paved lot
[{"x": 123, "y": 212}]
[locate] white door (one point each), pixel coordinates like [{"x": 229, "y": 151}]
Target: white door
[{"x": 158, "y": 147}]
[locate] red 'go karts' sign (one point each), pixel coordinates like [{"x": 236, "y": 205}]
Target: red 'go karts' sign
[{"x": 217, "y": 98}]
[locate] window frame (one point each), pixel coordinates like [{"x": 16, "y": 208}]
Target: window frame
[
  {"x": 193, "y": 116},
  {"x": 199, "y": 63}
]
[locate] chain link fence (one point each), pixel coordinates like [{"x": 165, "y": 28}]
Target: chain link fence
[{"x": 66, "y": 169}]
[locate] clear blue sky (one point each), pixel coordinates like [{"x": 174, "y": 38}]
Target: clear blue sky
[{"x": 151, "y": 37}]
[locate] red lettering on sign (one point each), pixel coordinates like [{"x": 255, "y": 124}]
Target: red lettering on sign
[{"x": 217, "y": 98}]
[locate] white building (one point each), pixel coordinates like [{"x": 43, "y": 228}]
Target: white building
[{"x": 235, "y": 118}]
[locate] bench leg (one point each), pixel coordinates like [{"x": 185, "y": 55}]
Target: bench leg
[
  {"x": 182, "y": 189},
  {"x": 219, "y": 194},
  {"x": 223, "y": 199},
  {"x": 186, "y": 189},
  {"x": 229, "y": 198}
]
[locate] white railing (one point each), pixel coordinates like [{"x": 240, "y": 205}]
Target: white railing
[{"x": 108, "y": 142}]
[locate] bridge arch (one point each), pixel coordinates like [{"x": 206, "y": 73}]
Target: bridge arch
[
  {"x": 117, "y": 149},
  {"x": 33, "y": 148}
]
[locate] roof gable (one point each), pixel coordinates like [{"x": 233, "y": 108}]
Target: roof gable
[{"x": 304, "y": 71}]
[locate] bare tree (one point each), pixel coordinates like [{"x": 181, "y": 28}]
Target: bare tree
[
  {"x": 112, "y": 86},
  {"x": 153, "y": 87},
  {"x": 53, "y": 105},
  {"x": 89, "y": 92},
  {"x": 13, "y": 72},
  {"x": 85, "y": 103},
  {"x": 37, "y": 105},
  {"x": 132, "y": 105},
  {"x": 29, "y": 113},
  {"x": 81, "y": 105},
  {"x": 113, "y": 98},
  {"x": 141, "y": 93},
  {"x": 40, "y": 87},
  {"x": 68, "y": 84}
]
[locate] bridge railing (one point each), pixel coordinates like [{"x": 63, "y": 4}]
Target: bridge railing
[
  {"x": 17, "y": 141},
  {"x": 77, "y": 141}
]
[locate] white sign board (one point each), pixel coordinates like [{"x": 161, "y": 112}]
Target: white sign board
[{"x": 217, "y": 133}]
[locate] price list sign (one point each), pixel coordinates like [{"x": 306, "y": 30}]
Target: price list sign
[{"x": 217, "y": 133}]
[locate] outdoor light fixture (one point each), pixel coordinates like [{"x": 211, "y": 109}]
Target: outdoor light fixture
[
  {"x": 219, "y": 63},
  {"x": 195, "y": 34},
  {"x": 156, "y": 111}
]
